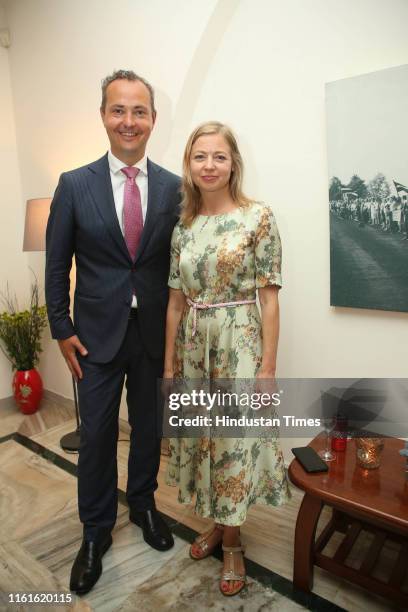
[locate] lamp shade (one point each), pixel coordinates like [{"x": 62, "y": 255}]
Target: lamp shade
[{"x": 37, "y": 211}]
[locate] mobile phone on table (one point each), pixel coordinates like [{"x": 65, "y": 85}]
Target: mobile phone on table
[{"x": 309, "y": 459}]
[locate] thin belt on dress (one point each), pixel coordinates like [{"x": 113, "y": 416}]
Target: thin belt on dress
[{"x": 204, "y": 306}]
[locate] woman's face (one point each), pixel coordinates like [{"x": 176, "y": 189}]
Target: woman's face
[{"x": 211, "y": 163}]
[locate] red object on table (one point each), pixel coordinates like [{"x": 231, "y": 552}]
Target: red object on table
[
  {"x": 339, "y": 435},
  {"x": 27, "y": 390},
  {"x": 338, "y": 443}
]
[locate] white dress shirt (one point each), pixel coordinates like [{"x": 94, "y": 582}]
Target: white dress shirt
[{"x": 118, "y": 179}]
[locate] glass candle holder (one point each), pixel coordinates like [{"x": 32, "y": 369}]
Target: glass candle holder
[{"x": 369, "y": 452}]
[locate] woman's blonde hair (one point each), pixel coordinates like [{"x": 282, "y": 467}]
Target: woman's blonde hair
[{"x": 190, "y": 204}]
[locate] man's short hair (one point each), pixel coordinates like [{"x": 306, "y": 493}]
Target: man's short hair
[{"x": 129, "y": 75}]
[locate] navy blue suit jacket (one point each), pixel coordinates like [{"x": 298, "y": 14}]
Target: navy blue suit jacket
[{"x": 83, "y": 222}]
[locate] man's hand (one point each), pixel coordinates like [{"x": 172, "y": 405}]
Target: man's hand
[{"x": 68, "y": 348}]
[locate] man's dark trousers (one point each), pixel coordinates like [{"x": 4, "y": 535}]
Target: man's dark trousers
[{"x": 99, "y": 398}]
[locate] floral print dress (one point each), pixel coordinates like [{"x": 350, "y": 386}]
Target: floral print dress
[{"x": 225, "y": 258}]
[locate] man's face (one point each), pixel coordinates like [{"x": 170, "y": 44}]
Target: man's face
[{"x": 128, "y": 119}]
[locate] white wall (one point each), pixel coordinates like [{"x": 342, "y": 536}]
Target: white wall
[
  {"x": 259, "y": 65},
  {"x": 13, "y": 268}
]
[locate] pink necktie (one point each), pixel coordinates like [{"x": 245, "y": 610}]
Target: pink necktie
[{"x": 132, "y": 211}]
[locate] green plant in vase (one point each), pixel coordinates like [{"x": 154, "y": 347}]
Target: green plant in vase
[{"x": 20, "y": 341}]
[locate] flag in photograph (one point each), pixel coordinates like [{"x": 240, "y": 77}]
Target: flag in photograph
[{"x": 400, "y": 187}]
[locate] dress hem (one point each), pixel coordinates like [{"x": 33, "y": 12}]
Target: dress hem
[{"x": 206, "y": 513}]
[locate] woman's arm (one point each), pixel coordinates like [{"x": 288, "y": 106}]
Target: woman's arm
[
  {"x": 175, "y": 309},
  {"x": 268, "y": 298}
]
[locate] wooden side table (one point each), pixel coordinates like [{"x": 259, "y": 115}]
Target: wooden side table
[{"x": 362, "y": 500}]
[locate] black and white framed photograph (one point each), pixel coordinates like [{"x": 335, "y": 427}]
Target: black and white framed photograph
[{"x": 367, "y": 136}]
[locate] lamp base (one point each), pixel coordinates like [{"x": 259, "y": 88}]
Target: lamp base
[{"x": 70, "y": 442}]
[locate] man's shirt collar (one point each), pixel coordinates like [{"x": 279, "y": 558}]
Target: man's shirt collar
[{"x": 116, "y": 164}]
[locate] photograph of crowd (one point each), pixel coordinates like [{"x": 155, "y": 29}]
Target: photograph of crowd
[{"x": 368, "y": 190}]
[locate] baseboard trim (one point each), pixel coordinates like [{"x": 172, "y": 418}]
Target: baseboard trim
[
  {"x": 57, "y": 398},
  {"x": 7, "y": 402}
]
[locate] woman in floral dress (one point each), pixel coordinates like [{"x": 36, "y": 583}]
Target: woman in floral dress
[{"x": 224, "y": 249}]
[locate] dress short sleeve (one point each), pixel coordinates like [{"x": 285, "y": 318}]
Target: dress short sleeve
[
  {"x": 268, "y": 250},
  {"x": 174, "y": 276}
]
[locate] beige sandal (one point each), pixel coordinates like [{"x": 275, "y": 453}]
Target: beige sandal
[
  {"x": 202, "y": 542},
  {"x": 230, "y": 573}
]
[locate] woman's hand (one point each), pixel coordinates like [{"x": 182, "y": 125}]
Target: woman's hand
[{"x": 265, "y": 381}]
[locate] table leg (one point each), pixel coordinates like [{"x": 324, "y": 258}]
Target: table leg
[{"x": 308, "y": 516}]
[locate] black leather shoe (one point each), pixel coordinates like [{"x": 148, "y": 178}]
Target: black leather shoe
[
  {"x": 87, "y": 566},
  {"x": 155, "y": 531}
]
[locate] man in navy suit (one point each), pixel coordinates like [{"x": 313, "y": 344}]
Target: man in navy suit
[{"x": 118, "y": 328}]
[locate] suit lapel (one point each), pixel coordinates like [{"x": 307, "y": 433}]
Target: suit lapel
[
  {"x": 154, "y": 204},
  {"x": 100, "y": 186}
]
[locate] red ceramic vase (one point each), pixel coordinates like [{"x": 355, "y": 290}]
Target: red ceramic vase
[{"x": 27, "y": 390}]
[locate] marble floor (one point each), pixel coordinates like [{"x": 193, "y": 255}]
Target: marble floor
[{"x": 40, "y": 535}]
